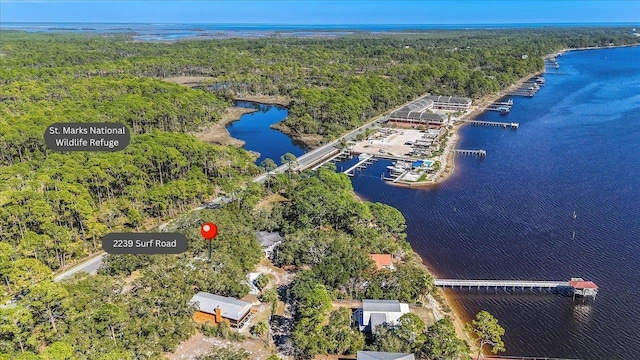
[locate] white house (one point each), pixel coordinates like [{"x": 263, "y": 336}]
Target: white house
[
  {"x": 377, "y": 312},
  {"x": 268, "y": 241}
]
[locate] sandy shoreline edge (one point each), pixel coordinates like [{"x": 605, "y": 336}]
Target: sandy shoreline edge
[
  {"x": 458, "y": 314},
  {"x": 445, "y": 300},
  {"x": 218, "y": 133}
]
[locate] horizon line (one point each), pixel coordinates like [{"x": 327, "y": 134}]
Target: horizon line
[{"x": 318, "y": 24}]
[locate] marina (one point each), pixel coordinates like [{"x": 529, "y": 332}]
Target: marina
[
  {"x": 510, "y": 216},
  {"x": 530, "y": 87},
  {"x": 504, "y": 107},
  {"x": 363, "y": 161}
]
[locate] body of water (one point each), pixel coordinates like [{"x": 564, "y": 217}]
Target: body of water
[
  {"x": 254, "y": 129},
  {"x": 509, "y": 216}
]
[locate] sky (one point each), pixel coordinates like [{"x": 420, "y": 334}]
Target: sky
[{"x": 323, "y": 12}]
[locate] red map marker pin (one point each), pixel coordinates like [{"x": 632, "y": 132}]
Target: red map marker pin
[{"x": 209, "y": 231}]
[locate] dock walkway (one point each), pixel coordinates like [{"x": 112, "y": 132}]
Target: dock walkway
[
  {"x": 362, "y": 163},
  {"x": 528, "y": 284},
  {"x": 492, "y": 123},
  {"x": 575, "y": 286},
  {"x": 479, "y": 153}
]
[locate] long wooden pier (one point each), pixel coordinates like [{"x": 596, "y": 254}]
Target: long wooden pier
[
  {"x": 492, "y": 123},
  {"x": 575, "y": 286},
  {"x": 479, "y": 153},
  {"x": 512, "y": 284}
]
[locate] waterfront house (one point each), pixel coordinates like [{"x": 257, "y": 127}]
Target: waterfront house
[
  {"x": 214, "y": 309},
  {"x": 377, "y": 312},
  {"x": 376, "y": 355}
]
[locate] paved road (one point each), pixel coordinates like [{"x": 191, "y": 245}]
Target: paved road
[{"x": 90, "y": 266}]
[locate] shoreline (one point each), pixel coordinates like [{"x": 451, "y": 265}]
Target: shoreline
[
  {"x": 567, "y": 50},
  {"x": 309, "y": 141},
  {"x": 264, "y": 99},
  {"x": 457, "y": 313},
  {"x": 217, "y": 132},
  {"x": 448, "y": 168}
]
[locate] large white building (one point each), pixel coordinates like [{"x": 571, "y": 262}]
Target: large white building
[
  {"x": 450, "y": 102},
  {"x": 377, "y": 312},
  {"x": 418, "y": 113}
]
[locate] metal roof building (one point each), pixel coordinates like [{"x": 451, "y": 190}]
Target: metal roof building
[
  {"x": 268, "y": 241},
  {"x": 418, "y": 112},
  {"x": 231, "y": 308},
  {"x": 450, "y": 102},
  {"x": 377, "y": 312},
  {"x": 375, "y": 355}
]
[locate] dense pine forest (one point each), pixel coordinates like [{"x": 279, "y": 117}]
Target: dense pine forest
[{"x": 55, "y": 207}]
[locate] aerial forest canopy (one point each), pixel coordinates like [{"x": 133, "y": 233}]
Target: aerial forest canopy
[{"x": 55, "y": 206}]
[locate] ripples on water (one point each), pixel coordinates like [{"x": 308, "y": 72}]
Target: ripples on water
[{"x": 509, "y": 216}]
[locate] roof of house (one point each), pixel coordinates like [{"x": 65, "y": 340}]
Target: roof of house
[
  {"x": 231, "y": 308},
  {"x": 375, "y": 355},
  {"x": 583, "y": 284},
  {"x": 377, "y": 319},
  {"x": 381, "y": 260},
  {"x": 381, "y": 305},
  {"x": 267, "y": 239}
]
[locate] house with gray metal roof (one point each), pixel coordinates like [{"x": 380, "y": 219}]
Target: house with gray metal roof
[
  {"x": 214, "y": 308},
  {"x": 268, "y": 241},
  {"x": 376, "y": 355},
  {"x": 378, "y": 312}
]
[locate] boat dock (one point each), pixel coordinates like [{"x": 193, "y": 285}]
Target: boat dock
[
  {"x": 530, "y": 87},
  {"x": 577, "y": 286},
  {"x": 479, "y": 153},
  {"x": 504, "y": 107},
  {"x": 511, "y": 125},
  {"x": 364, "y": 160},
  {"x": 344, "y": 154}
]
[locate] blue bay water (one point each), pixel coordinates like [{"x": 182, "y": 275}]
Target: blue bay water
[
  {"x": 254, "y": 129},
  {"x": 509, "y": 216}
]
